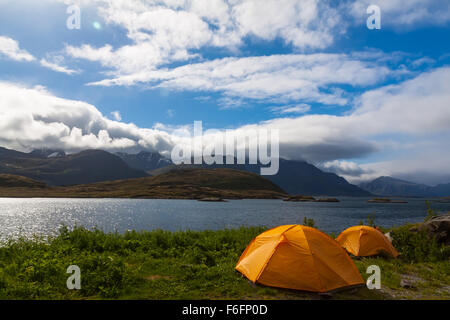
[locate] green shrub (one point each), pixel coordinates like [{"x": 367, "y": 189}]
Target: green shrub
[
  {"x": 309, "y": 222},
  {"x": 430, "y": 212},
  {"x": 417, "y": 246}
]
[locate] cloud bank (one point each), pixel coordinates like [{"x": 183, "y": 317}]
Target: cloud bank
[{"x": 397, "y": 117}]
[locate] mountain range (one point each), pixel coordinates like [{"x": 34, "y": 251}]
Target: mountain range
[
  {"x": 84, "y": 167},
  {"x": 389, "y": 186},
  {"x": 295, "y": 177},
  {"x": 145, "y": 161},
  {"x": 54, "y": 167}
]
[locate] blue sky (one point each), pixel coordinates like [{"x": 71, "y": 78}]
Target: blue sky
[{"x": 308, "y": 68}]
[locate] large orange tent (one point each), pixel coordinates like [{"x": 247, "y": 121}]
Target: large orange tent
[
  {"x": 298, "y": 257},
  {"x": 364, "y": 241}
]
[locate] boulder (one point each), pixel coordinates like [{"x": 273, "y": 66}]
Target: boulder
[
  {"x": 437, "y": 227},
  {"x": 407, "y": 283}
]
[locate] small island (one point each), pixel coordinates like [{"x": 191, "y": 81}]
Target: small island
[
  {"x": 327, "y": 200},
  {"x": 444, "y": 200},
  {"x": 385, "y": 200},
  {"x": 303, "y": 198}
]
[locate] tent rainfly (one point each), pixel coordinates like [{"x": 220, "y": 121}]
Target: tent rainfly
[
  {"x": 364, "y": 241},
  {"x": 298, "y": 257}
]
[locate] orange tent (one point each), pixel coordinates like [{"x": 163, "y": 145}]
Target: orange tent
[
  {"x": 364, "y": 241},
  {"x": 298, "y": 257}
]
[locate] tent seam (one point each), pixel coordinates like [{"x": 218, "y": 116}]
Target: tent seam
[
  {"x": 313, "y": 257},
  {"x": 273, "y": 252}
]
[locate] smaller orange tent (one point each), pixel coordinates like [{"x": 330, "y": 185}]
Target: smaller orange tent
[
  {"x": 364, "y": 241},
  {"x": 298, "y": 257}
]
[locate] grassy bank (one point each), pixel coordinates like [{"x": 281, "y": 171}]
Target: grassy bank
[{"x": 191, "y": 265}]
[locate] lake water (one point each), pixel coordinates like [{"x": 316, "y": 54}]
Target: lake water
[{"x": 44, "y": 216}]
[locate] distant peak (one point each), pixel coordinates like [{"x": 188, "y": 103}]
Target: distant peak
[
  {"x": 386, "y": 178},
  {"x": 47, "y": 153}
]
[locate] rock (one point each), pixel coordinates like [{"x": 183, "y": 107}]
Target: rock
[
  {"x": 326, "y": 295},
  {"x": 407, "y": 283},
  {"x": 437, "y": 227}
]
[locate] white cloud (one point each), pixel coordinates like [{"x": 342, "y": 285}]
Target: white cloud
[
  {"x": 308, "y": 77},
  {"x": 230, "y": 103},
  {"x": 34, "y": 118},
  {"x": 301, "y": 108},
  {"x": 424, "y": 164},
  {"x": 10, "y": 48},
  {"x": 165, "y": 31},
  {"x": 414, "y": 108},
  {"x": 427, "y": 165},
  {"x": 304, "y": 23},
  {"x": 352, "y": 171},
  {"x": 56, "y": 67},
  {"x": 116, "y": 115},
  {"x": 405, "y": 14}
]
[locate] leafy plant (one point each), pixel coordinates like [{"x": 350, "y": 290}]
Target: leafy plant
[
  {"x": 309, "y": 222},
  {"x": 430, "y": 212},
  {"x": 417, "y": 246},
  {"x": 371, "y": 220}
]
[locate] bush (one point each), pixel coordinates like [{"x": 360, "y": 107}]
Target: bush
[
  {"x": 309, "y": 222},
  {"x": 430, "y": 212},
  {"x": 105, "y": 275},
  {"x": 417, "y": 246}
]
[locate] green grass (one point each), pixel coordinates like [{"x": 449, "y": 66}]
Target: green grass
[{"x": 186, "y": 265}]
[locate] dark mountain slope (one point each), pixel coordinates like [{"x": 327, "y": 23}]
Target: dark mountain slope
[
  {"x": 145, "y": 161},
  {"x": 300, "y": 177},
  {"x": 442, "y": 190},
  {"x": 294, "y": 177},
  {"x": 47, "y": 153},
  {"x": 388, "y": 186},
  {"x": 84, "y": 167}
]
